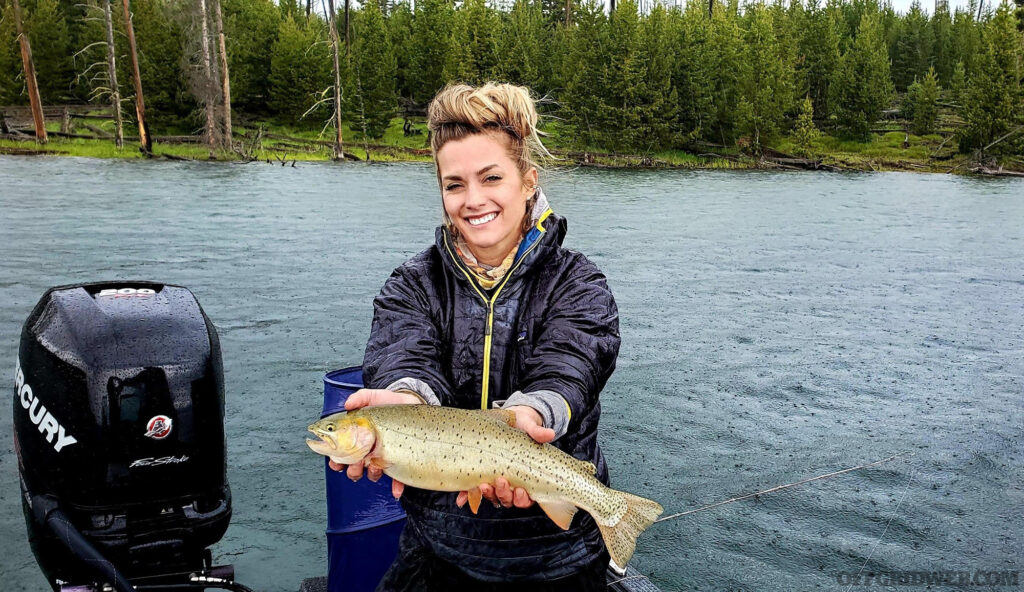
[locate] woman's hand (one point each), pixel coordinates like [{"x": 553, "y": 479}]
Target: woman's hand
[
  {"x": 530, "y": 421},
  {"x": 371, "y": 398}
]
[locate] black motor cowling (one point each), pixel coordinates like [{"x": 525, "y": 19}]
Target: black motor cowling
[{"x": 119, "y": 422}]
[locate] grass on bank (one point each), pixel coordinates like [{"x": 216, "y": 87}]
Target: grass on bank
[{"x": 290, "y": 142}]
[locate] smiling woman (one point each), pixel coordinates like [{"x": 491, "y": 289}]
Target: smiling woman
[{"x": 495, "y": 313}]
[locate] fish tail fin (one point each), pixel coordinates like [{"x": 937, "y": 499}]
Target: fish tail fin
[{"x": 620, "y": 538}]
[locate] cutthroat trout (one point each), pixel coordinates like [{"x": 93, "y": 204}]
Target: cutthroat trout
[{"x": 447, "y": 449}]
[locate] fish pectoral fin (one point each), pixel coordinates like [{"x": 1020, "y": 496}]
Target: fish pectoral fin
[
  {"x": 474, "y": 499},
  {"x": 377, "y": 463},
  {"x": 559, "y": 512},
  {"x": 505, "y": 416}
]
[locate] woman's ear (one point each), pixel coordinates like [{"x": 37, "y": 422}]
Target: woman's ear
[{"x": 530, "y": 182}]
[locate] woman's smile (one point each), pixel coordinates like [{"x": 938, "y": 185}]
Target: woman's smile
[{"x": 481, "y": 220}]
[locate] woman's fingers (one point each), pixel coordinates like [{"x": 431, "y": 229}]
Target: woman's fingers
[
  {"x": 521, "y": 499},
  {"x": 335, "y": 466},
  {"x": 355, "y": 471},
  {"x": 487, "y": 490},
  {"x": 462, "y": 498},
  {"x": 540, "y": 434},
  {"x": 370, "y": 397},
  {"x": 374, "y": 473},
  {"x": 503, "y": 491},
  {"x": 397, "y": 487}
]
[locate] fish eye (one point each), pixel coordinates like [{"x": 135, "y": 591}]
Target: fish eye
[{"x": 329, "y": 428}]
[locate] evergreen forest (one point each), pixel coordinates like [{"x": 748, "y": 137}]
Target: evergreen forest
[{"x": 630, "y": 78}]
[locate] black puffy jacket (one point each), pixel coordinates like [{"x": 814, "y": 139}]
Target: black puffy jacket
[{"x": 550, "y": 324}]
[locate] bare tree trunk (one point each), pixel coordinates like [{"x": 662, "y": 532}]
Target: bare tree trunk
[
  {"x": 309, "y": 5},
  {"x": 225, "y": 78},
  {"x": 145, "y": 140},
  {"x": 347, "y": 31},
  {"x": 611, "y": 8},
  {"x": 568, "y": 13},
  {"x": 711, "y": 8},
  {"x": 115, "y": 93},
  {"x": 30, "y": 78},
  {"x": 207, "y": 84},
  {"x": 335, "y": 43}
]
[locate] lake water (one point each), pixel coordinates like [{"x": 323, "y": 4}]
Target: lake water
[{"x": 775, "y": 326}]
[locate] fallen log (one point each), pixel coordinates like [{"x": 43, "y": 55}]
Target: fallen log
[
  {"x": 98, "y": 131},
  {"x": 1000, "y": 172}
]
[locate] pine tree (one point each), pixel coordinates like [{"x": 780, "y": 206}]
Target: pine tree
[
  {"x": 805, "y": 134},
  {"x": 624, "y": 81},
  {"x": 920, "y": 104},
  {"x": 819, "y": 46},
  {"x": 862, "y": 87},
  {"x": 473, "y": 55},
  {"x": 766, "y": 81},
  {"x": 251, "y": 26},
  {"x": 658, "y": 104},
  {"x": 158, "y": 33},
  {"x": 521, "y": 44},
  {"x": 958, "y": 84},
  {"x": 400, "y": 33},
  {"x": 695, "y": 72},
  {"x": 966, "y": 39},
  {"x": 913, "y": 48},
  {"x": 942, "y": 44},
  {"x": 47, "y": 29},
  {"x": 727, "y": 41},
  {"x": 431, "y": 46},
  {"x": 11, "y": 86},
  {"x": 300, "y": 69},
  {"x": 374, "y": 66},
  {"x": 994, "y": 95},
  {"x": 583, "y": 99}
]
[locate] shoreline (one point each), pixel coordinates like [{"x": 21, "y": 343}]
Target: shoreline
[{"x": 887, "y": 150}]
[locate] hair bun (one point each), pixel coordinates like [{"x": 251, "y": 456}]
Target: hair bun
[{"x": 459, "y": 110}]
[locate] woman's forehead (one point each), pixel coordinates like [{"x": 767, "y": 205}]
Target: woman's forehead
[{"x": 473, "y": 154}]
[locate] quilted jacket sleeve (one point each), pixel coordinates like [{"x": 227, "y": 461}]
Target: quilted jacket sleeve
[
  {"x": 403, "y": 349},
  {"x": 578, "y": 341}
]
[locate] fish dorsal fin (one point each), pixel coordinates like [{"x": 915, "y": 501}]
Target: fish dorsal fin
[
  {"x": 559, "y": 512},
  {"x": 506, "y": 416}
]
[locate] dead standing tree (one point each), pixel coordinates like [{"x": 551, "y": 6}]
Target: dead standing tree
[
  {"x": 208, "y": 72},
  {"x": 115, "y": 94},
  {"x": 107, "y": 74},
  {"x": 335, "y": 43},
  {"x": 145, "y": 140},
  {"x": 30, "y": 77},
  {"x": 205, "y": 84},
  {"x": 225, "y": 77}
]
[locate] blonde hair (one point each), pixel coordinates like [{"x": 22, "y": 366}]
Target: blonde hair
[{"x": 460, "y": 110}]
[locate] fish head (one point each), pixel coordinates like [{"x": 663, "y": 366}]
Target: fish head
[{"x": 345, "y": 437}]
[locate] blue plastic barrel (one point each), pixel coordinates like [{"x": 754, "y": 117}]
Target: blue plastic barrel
[{"x": 363, "y": 519}]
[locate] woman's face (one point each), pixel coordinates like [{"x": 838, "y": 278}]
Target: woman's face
[{"x": 484, "y": 194}]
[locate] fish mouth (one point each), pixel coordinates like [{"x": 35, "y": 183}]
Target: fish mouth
[{"x": 323, "y": 446}]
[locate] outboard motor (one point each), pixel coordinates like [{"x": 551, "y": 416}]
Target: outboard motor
[{"x": 119, "y": 433}]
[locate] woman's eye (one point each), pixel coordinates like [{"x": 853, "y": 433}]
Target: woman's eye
[
  {"x": 452, "y": 187},
  {"x": 493, "y": 178}
]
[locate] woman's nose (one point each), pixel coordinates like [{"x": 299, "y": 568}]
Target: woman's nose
[{"x": 476, "y": 196}]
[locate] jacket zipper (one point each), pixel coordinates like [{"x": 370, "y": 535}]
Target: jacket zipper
[{"x": 489, "y": 327}]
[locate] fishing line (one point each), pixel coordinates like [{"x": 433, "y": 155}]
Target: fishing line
[
  {"x": 884, "y": 530},
  {"x": 788, "y": 485}
]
